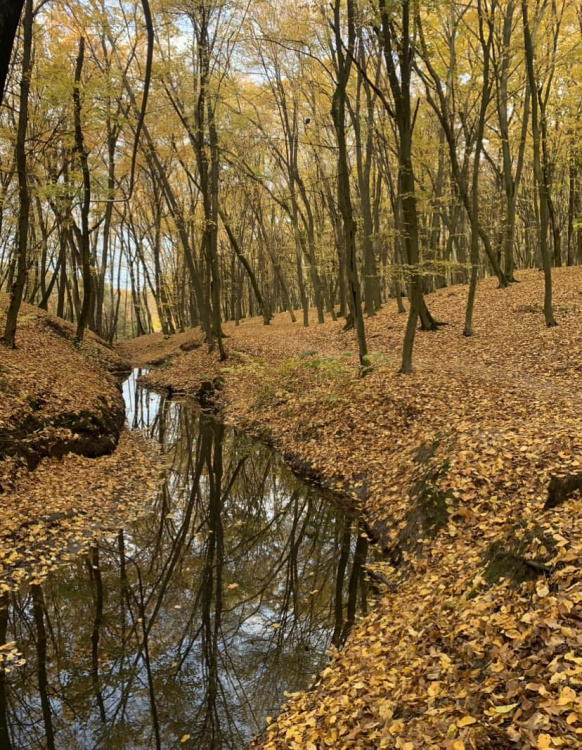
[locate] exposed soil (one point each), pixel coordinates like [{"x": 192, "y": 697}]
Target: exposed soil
[{"x": 57, "y": 398}]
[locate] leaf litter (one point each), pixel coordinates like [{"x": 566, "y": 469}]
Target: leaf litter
[
  {"x": 476, "y": 641},
  {"x": 69, "y": 471}
]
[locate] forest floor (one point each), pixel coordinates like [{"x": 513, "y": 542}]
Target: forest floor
[
  {"x": 476, "y": 641},
  {"x": 63, "y": 451}
]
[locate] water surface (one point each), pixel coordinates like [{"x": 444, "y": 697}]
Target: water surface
[{"x": 196, "y": 618}]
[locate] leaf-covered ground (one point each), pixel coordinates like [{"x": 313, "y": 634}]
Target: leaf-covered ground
[
  {"x": 477, "y": 640},
  {"x": 68, "y": 469},
  {"x": 56, "y": 397}
]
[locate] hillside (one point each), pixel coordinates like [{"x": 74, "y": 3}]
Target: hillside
[
  {"x": 64, "y": 452},
  {"x": 468, "y": 475}
]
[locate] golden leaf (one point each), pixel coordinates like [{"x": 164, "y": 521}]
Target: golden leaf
[{"x": 505, "y": 709}]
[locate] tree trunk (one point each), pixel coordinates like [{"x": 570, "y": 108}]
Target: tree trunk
[
  {"x": 17, "y": 291},
  {"x": 86, "y": 203},
  {"x": 485, "y": 94},
  {"x": 10, "y": 11},
  {"x": 338, "y": 112},
  {"x": 538, "y": 170}
]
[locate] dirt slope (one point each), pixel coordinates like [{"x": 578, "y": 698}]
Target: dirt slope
[
  {"x": 57, "y": 398},
  {"x": 64, "y": 455}
]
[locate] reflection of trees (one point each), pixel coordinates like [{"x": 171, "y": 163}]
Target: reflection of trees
[
  {"x": 95, "y": 574},
  {"x": 38, "y": 609},
  {"x": 197, "y": 618},
  {"x": 4, "y": 734}
]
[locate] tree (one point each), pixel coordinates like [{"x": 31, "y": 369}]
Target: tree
[
  {"x": 538, "y": 105},
  {"x": 343, "y": 65},
  {"x": 398, "y": 58},
  {"x": 10, "y": 12},
  {"x": 17, "y": 291},
  {"x": 80, "y": 148}
]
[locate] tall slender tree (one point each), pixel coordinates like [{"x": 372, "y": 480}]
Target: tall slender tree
[{"x": 17, "y": 291}]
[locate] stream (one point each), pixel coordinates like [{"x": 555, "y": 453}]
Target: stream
[{"x": 188, "y": 627}]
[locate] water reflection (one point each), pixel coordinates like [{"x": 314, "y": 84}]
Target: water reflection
[{"x": 195, "y": 619}]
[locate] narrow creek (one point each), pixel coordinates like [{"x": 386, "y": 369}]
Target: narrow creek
[{"x": 187, "y": 628}]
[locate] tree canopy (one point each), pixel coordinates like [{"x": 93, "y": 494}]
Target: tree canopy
[{"x": 291, "y": 157}]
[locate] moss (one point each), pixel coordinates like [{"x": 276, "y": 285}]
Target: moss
[
  {"x": 162, "y": 363},
  {"x": 562, "y": 488},
  {"x": 208, "y": 392},
  {"x": 425, "y": 451},
  {"x": 507, "y": 565}
]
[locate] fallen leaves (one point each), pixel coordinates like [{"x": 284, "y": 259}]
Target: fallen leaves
[
  {"x": 504, "y": 709},
  {"x": 55, "y": 511},
  {"x": 58, "y": 400},
  {"x": 542, "y": 589},
  {"x": 55, "y": 398},
  {"x": 450, "y": 468}
]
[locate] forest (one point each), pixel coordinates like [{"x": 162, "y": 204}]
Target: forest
[
  {"x": 216, "y": 160},
  {"x": 290, "y": 374}
]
